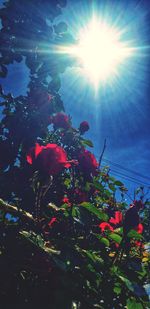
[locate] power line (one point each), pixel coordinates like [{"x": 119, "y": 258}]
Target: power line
[
  {"x": 126, "y": 177},
  {"x": 126, "y": 169},
  {"x": 132, "y": 179}
]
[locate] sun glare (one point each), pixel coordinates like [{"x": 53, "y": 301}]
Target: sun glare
[{"x": 100, "y": 51}]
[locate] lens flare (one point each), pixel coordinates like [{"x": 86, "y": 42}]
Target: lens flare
[{"x": 100, "y": 51}]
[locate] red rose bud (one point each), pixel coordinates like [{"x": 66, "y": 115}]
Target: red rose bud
[
  {"x": 84, "y": 126},
  {"x": 60, "y": 120},
  {"x": 51, "y": 222},
  {"x": 65, "y": 200},
  {"x": 50, "y": 159},
  {"x": 139, "y": 244}
]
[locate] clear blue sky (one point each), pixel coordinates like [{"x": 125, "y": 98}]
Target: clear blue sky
[{"x": 121, "y": 111}]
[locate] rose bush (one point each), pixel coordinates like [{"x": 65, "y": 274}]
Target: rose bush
[{"x": 68, "y": 239}]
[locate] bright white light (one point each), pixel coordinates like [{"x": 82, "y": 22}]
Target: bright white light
[{"x": 100, "y": 51}]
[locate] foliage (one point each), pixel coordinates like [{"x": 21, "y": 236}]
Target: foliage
[{"x": 62, "y": 244}]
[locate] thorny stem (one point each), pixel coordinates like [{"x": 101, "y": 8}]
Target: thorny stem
[
  {"x": 5, "y": 207},
  {"x": 37, "y": 203}
]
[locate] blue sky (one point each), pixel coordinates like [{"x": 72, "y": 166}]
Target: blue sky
[{"x": 121, "y": 110}]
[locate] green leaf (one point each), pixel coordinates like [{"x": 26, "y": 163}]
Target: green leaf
[
  {"x": 105, "y": 241},
  {"x": 107, "y": 193},
  {"x": 86, "y": 142},
  {"x": 91, "y": 208},
  {"x": 112, "y": 187},
  {"x": 133, "y": 304},
  {"x": 117, "y": 238},
  {"x": 123, "y": 188},
  {"x": 98, "y": 186},
  {"x": 112, "y": 178},
  {"x": 92, "y": 256},
  {"x": 119, "y": 231},
  {"x": 75, "y": 212},
  {"x": 118, "y": 183},
  {"x": 135, "y": 235},
  {"x": 117, "y": 290},
  {"x": 127, "y": 282},
  {"x": 67, "y": 182}
]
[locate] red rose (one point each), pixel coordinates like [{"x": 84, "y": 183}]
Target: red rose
[
  {"x": 118, "y": 218},
  {"x": 84, "y": 126},
  {"x": 105, "y": 226},
  {"x": 49, "y": 159},
  {"x": 87, "y": 162},
  {"x": 60, "y": 120},
  {"x": 139, "y": 228}
]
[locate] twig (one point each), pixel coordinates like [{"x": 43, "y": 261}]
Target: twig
[
  {"x": 5, "y": 207},
  {"x": 101, "y": 156}
]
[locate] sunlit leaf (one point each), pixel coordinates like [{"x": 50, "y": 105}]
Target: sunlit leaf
[
  {"x": 128, "y": 283},
  {"x": 86, "y": 142},
  {"x": 134, "y": 304},
  {"x": 118, "y": 183},
  {"x": 112, "y": 187},
  {"x": 97, "y": 212},
  {"x": 117, "y": 238},
  {"x": 135, "y": 235},
  {"x": 105, "y": 241},
  {"x": 117, "y": 290}
]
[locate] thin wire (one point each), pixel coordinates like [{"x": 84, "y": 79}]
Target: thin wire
[
  {"x": 129, "y": 178},
  {"x": 126, "y": 169}
]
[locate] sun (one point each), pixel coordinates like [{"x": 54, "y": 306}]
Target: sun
[{"x": 100, "y": 51}]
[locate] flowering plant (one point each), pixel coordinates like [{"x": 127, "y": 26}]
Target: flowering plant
[{"x": 68, "y": 238}]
